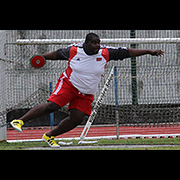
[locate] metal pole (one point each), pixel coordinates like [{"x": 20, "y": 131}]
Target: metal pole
[
  {"x": 133, "y": 72},
  {"x": 51, "y": 114},
  {"x": 116, "y": 102}
]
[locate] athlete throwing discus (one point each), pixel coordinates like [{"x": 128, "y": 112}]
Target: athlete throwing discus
[{"x": 78, "y": 83}]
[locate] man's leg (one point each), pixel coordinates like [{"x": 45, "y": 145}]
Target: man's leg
[
  {"x": 75, "y": 118},
  {"x": 40, "y": 110},
  {"x": 35, "y": 112}
]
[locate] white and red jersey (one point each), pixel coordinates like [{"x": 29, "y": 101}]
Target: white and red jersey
[{"x": 85, "y": 71}]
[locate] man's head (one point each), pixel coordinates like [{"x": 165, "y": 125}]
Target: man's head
[{"x": 92, "y": 44}]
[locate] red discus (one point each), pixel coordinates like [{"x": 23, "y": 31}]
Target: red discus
[{"x": 37, "y": 61}]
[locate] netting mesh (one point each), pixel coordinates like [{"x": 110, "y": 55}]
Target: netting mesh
[{"x": 157, "y": 79}]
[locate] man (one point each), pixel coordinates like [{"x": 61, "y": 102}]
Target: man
[{"x": 76, "y": 86}]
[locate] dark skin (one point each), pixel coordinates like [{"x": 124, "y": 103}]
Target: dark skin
[
  {"x": 93, "y": 46},
  {"x": 76, "y": 117}
]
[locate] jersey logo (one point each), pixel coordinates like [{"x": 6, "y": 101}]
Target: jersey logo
[{"x": 98, "y": 59}]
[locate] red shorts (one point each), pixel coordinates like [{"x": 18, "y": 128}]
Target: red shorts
[{"x": 65, "y": 93}]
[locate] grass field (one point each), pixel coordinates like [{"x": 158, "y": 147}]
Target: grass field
[{"x": 103, "y": 144}]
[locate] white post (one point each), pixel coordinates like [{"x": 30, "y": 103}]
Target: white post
[{"x": 3, "y": 136}]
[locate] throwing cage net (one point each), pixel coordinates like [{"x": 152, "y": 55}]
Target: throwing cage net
[{"x": 147, "y": 88}]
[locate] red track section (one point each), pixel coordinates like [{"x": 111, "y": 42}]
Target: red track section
[{"x": 36, "y": 133}]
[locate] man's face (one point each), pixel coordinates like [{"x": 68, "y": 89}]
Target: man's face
[{"x": 93, "y": 45}]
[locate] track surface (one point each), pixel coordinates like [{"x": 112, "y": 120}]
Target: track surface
[{"x": 36, "y": 133}]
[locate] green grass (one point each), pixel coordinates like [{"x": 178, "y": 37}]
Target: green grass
[{"x": 102, "y": 142}]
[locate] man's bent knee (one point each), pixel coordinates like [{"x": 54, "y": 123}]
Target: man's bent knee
[
  {"x": 76, "y": 116},
  {"x": 51, "y": 107}
]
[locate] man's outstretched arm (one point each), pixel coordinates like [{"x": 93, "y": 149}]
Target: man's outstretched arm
[
  {"x": 50, "y": 56},
  {"x": 140, "y": 52},
  {"x": 60, "y": 54}
]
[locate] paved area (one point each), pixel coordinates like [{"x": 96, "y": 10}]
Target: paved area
[{"x": 96, "y": 146}]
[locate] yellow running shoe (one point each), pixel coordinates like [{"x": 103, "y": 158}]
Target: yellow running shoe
[
  {"x": 50, "y": 140},
  {"x": 17, "y": 124}
]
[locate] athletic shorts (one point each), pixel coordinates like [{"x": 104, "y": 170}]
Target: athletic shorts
[{"x": 65, "y": 93}]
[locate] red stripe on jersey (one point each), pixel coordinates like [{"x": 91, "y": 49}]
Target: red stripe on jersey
[
  {"x": 72, "y": 53},
  {"x": 105, "y": 54},
  {"x": 68, "y": 71}
]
